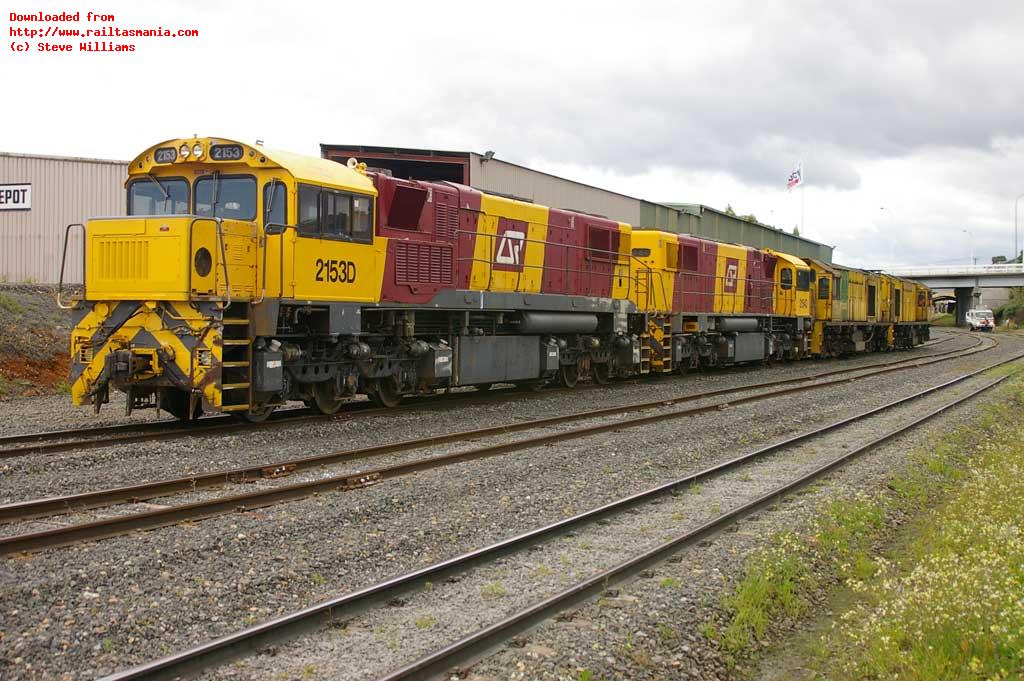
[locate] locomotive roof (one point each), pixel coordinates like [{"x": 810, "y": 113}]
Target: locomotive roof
[{"x": 303, "y": 168}]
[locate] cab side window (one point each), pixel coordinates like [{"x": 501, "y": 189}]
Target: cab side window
[
  {"x": 332, "y": 214},
  {"x": 309, "y": 210},
  {"x": 275, "y": 203},
  {"x": 362, "y": 218},
  {"x": 335, "y": 213},
  {"x": 803, "y": 280},
  {"x": 823, "y": 288},
  {"x": 786, "y": 279}
]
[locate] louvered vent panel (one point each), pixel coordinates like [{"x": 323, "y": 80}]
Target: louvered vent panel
[
  {"x": 123, "y": 259},
  {"x": 446, "y": 220},
  {"x": 420, "y": 263}
]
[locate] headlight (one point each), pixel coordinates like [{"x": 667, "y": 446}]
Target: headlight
[
  {"x": 183, "y": 151},
  {"x": 197, "y": 149}
]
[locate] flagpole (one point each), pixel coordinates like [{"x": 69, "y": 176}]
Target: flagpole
[{"x": 802, "y": 202}]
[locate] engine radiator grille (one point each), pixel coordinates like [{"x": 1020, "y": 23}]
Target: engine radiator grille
[
  {"x": 422, "y": 263},
  {"x": 121, "y": 259}
]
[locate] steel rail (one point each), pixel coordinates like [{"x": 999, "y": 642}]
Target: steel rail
[
  {"x": 278, "y": 630},
  {"x": 478, "y": 644},
  {"x": 50, "y": 442},
  {"x": 118, "y": 525},
  {"x": 37, "y": 508}
]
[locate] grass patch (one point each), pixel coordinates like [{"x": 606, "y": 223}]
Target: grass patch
[
  {"x": 493, "y": 590},
  {"x": 950, "y": 606},
  {"x": 10, "y": 304},
  {"x": 838, "y": 549},
  {"x": 425, "y": 622},
  {"x": 944, "y": 320}
]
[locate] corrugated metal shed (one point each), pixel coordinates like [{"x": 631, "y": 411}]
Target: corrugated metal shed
[
  {"x": 502, "y": 177},
  {"x": 715, "y": 224},
  {"x": 490, "y": 174},
  {"x": 64, "y": 191}
]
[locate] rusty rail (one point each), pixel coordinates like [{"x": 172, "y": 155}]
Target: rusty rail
[
  {"x": 110, "y": 527},
  {"x": 284, "y": 628}
]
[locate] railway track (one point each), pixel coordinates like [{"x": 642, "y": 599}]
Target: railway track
[
  {"x": 53, "y": 442},
  {"x": 160, "y": 517},
  {"x": 475, "y": 645}
]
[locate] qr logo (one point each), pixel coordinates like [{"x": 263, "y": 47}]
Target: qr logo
[
  {"x": 510, "y": 248},
  {"x": 732, "y": 271}
]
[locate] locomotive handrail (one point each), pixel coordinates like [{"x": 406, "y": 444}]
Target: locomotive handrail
[
  {"x": 278, "y": 230},
  {"x": 491, "y": 262},
  {"x": 63, "y": 262},
  {"x": 620, "y": 261}
]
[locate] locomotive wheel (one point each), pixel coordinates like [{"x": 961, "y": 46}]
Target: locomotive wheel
[
  {"x": 258, "y": 415},
  {"x": 176, "y": 402},
  {"x": 325, "y": 399},
  {"x": 569, "y": 375},
  {"x": 385, "y": 393},
  {"x": 600, "y": 373}
]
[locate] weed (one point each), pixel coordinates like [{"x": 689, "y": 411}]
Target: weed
[
  {"x": 493, "y": 590},
  {"x": 667, "y": 634},
  {"x": 669, "y": 583},
  {"x": 585, "y": 675},
  {"x": 542, "y": 571},
  {"x": 108, "y": 645},
  {"x": 63, "y": 388},
  {"x": 317, "y": 579},
  {"x": 425, "y": 622},
  {"x": 308, "y": 671},
  {"x": 10, "y": 304}
]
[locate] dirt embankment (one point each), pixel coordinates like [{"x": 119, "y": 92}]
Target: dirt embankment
[{"x": 34, "y": 337}]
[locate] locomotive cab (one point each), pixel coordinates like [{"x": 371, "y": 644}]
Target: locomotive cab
[{"x": 177, "y": 294}]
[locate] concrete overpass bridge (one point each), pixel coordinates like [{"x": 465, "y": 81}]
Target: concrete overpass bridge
[{"x": 965, "y": 280}]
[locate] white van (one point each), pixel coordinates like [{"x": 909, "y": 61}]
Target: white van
[{"x": 980, "y": 320}]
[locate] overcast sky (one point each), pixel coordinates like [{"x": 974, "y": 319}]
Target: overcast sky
[{"x": 907, "y": 115}]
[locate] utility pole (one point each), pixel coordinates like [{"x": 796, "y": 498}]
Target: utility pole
[
  {"x": 970, "y": 243},
  {"x": 1016, "y": 252}
]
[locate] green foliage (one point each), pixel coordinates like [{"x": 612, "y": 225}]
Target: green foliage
[
  {"x": 10, "y": 304},
  {"x": 63, "y": 388},
  {"x": 949, "y": 607},
  {"x": 493, "y": 590},
  {"x": 1013, "y": 308},
  {"x": 944, "y": 320},
  {"x": 425, "y": 622},
  {"x": 670, "y": 583}
]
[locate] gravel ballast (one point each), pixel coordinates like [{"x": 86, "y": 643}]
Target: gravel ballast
[{"x": 91, "y": 609}]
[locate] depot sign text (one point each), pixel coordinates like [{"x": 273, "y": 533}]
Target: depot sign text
[{"x": 15, "y": 196}]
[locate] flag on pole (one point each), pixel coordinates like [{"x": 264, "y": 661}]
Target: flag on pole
[{"x": 796, "y": 178}]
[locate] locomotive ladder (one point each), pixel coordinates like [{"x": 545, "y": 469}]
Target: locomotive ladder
[{"x": 236, "y": 365}]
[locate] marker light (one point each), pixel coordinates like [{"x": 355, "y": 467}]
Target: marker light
[
  {"x": 183, "y": 151},
  {"x": 197, "y": 150}
]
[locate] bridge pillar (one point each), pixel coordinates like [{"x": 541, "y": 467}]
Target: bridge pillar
[{"x": 967, "y": 298}]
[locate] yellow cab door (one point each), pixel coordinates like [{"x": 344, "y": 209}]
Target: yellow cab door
[{"x": 335, "y": 254}]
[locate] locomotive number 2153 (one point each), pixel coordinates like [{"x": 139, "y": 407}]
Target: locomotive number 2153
[{"x": 335, "y": 271}]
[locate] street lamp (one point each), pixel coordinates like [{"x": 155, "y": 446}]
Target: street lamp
[
  {"x": 1016, "y": 202},
  {"x": 970, "y": 242}
]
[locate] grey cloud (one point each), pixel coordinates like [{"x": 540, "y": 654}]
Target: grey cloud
[{"x": 829, "y": 82}]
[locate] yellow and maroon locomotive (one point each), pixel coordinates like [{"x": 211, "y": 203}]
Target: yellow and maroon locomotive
[{"x": 242, "y": 278}]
